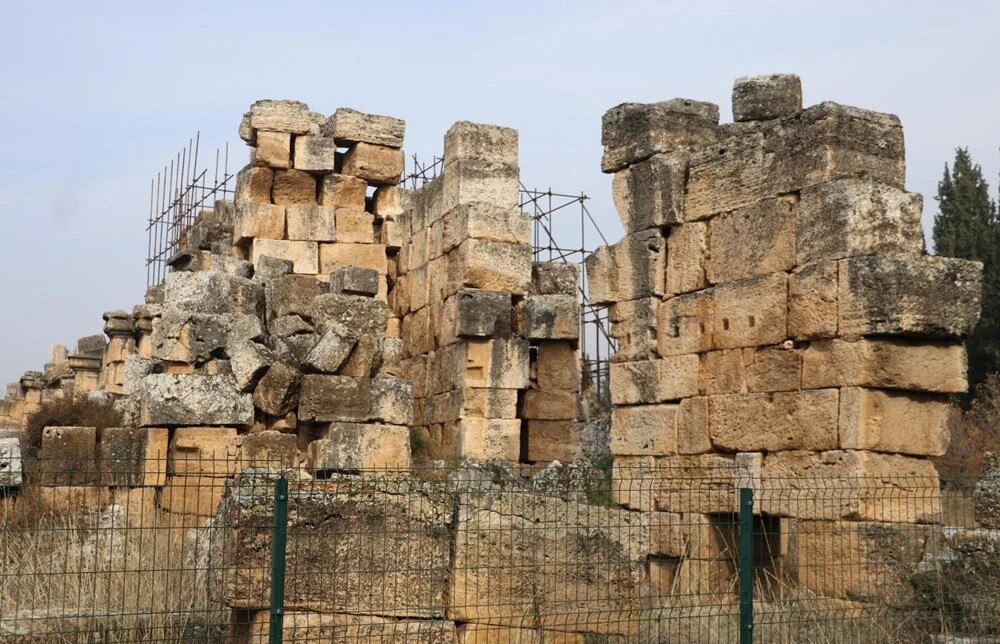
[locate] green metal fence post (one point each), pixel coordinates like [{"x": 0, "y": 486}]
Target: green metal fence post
[
  {"x": 746, "y": 565},
  {"x": 279, "y": 543}
]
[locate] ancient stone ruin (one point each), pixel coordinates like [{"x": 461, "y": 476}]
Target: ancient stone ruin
[{"x": 779, "y": 323}]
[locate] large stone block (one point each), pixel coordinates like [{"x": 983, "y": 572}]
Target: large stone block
[
  {"x": 11, "y": 466},
  {"x": 540, "y": 404},
  {"x": 753, "y": 370},
  {"x": 268, "y": 449},
  {"x": 634, "y": 326},
  {"x": 203, "y": 451},
  {"x": 331, "y": 351},
  {"x": 480, "y": 142},
  {"x": 325, "y": 398},
  {"x": 347, "y": 629},
  {"x": 391, "y": 558},
  {"x": 342, "y": 191},
  {"x": 343, "y": 255},
  {"x": 489, "y": 438},
  {"x": 359, "y": 447},
  {"x": 304, "y": 255},
  {"x": 554, "y": 440},
  {"x": 653, "y": 381},
  {"x": 476, "y": 313},
  {"x": 555, "y": 278},
  {"x": 692, "y": 426},
  {"x": 557, "y": 366},
  {"x": 687, "y": 258},
  {"x": 133, "y": 457},
  {"x": 812, "y": 301},
  {"x": 360, "y": 315},
  {"x": 754, "y": 240},
  {"x": 192, "y": 399},
  {"x": 500, "y": 362},
  {"x": 751, "y": 312},
  {"x": 310, "y": 223},
  {"x": 291, "y": 295},
  {"x": 894, "y": 421},
  {"x": 487, "y": 222},
  {"x": 886, "y": 363},
  {"x": 548, "y": 317},
  {"x": 630, "y": 269},
  {"x": 650, "y": 194},
  {"x": 183, "y": 336},
  {"x": 354, "y": 280},
  {"x": 379, "y": 165},
  {"x": 632, "y": 132},
  {"x": 349, "y": 126},
  {"x": 850, "y": 217},
  {"x": 582, "y": 577},
  {"x": 685, "y": 324},
  {"x": 492, "y": 266},
  {"x": 253, "y": 186},
  {"x": 67, "y": 456},
  {"x": 274, "y": 149},
  {"x": 759, "y": 98},
  {"x": 644, "y": 429},
  {"x": 355, "y": 226},
  {"x": 908, "y": 295},
  {"x": 281, "y": 116},
  {"x": 192, "y": 495},
  {"x": 699, "y": 483},
  {"x": 774, "y": 421},
  {"x": 314, "y": 153},
  {"x": 277, "y": 392},
  {"x": 293, "y": 187},
  {"x": 848, "y": 484},
  {"x": 468, "y": 181},
  {"x": 213, "y": 292}
]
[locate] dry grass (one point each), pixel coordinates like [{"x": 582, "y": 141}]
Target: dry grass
[{"x": 91, "y": 578}]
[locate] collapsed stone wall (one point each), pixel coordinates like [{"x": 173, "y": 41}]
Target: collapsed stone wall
[{"x": 780, "y": 324}]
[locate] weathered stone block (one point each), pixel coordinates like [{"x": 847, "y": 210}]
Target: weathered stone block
[
  {"x": 485, "y": 221},
  {"x": 812, "y": 302},
  {"x": 632, "y": 132},
  {"x": 986, "y": 498},
  {"x": 268, "y": 268},
  {"x": 549, "y": 404},
  {"x": 133, "y": 457},
  {"x": 632, "y": 268},
  {"x": 687, "y": 257},
  {"x": 645, "y": 429},
  {"x": 389, "y": 202},
  {"x": 908, "y": 295},
  {"x": 342, "y": 191},
  {"x": 555, "y": 278},
  {"x": 650, "y": 194},
  {"x": 554, "y": 440},
  {"x": 293, "y": 187},
  {"x": 489, "y": 438},
  {"x": 491, "y": 266},
  {"x": 343, "y": 255},
  {"x": 349, "y": 126},
  {"x": 477, "y": 313},
  {"x": 291, "y": 295},
  {"x": 280, "y": 116},
  {"x": 203, "y": 451},
  {"x": 311, "y": 223},
  {"x": 634, "y": 326},
  {"x": 480, "y": 142},
  {"x": 850, "y": 217},
  {"x": 886, "y": 363},
  {"x": 548, "y": 317},
  {"x": 277, "y": 392},
  {"x": 652, "y": 381},
  {"x": 274, "y": 149},
  {"x": 192, "y": 495},
  {"x": 268, "y": 449},
  {"x": 332, "y": 349},
  {"x": 685, "y": 324},
  {"x": 773, "y": 369},
  {"x": 501, "y": 362},
  {"x": 353, "y": 280},
  {"x": 11, "y": 467},
  {"x": 253, "y": 185},
  {"x": 248, "y": 361},
  {"x": 191, "y": 399},
  {"x": 347, "y": 629},
  {"x": 722, "y": 372},
  {"x": 355, "y": 226},
  {"x": 392, "y": 400},
  {"x": 377, "y": 164},
  {"x": 326, "y": 398},
  {"x": 692, "y": 426},
  {"x": 751, "y": 312},
  {"x": 779, "y": 421},
  {"x": 357, "y": 313},
  {"x": 357, "y": 447},
  {"x": 894, "y": 421},
  {"x": 468, "y": 181},
  {"x": 213, "y": 292},
  {"x": 759, "y": 98},
  {"x": 67, "y": 456},
  {"x": 754, "y": 240},
  {"x": 182, "y": 336},
  {"x": 304, "y": 255},
  {"x": 557, "y": 366},
  {"x": 316, "y": 153}
]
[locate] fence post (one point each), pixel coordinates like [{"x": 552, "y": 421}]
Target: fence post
[
  {"x": 279, "y": 542},
  {"x": 745, "y": 562}
]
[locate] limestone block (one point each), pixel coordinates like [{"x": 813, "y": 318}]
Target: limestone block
[
  {"x": 183, "y": 336},
  {"x": 253, "y": 185},
  {"x": 986, "y": 497},
  {"x": 490, "y": 634},
  {"x": 754, "y": 240},
  {"x": 477, "y": 313},
  {"x": 722, "y": 372},
  {"x": 277, "y": 392},
  {"x": 650, "y": 194},
  {"x": 274, "y": 149},
  {"x": 353, "y": 447},
  {"x": 192, "y": 495},
  {"x": 480, "y": 142},
  {"x": 812, "y": 301},
  {"x": 346, "y": 629},
  {"x": 632, "y": 268},
  {"x": 632, "y": 132},
  {"x": 354, "y": 280},
  {"x": 687, "y": 257},
  {"x": 750, "y": 312},
  {"x": 293, "y": 187},
  {"x": 359, "y": 314},
  {"x": 334, "y": 345},
  {"x": 406, "y": 575},
  {"x": 555, "y": 278},
  {"x": 908, "y": 295},
  {"x": 377, "y": 164},
  {"x": 644, "y": 429},
  {"x": 341, "y": 255},
  {"x": 500, "y": 362},
  {"x": 759, "y": 98},
  {"x": 486, "y": 438},
  {"x": 388, "y": 202},
  {"x": 549, "y": 404},
  {"x": 203, "y": 451},
  {"x": 492, "y": 266},
  {"x": 652, "y": 381},
  {"x": 304, "y": 255},
  {"x": 854, "y": 485},
  {"x": 342, "y": 191},
  {"x": 349, "y": 126},
  {"x": 887, "y": 363},
  {"x": 140, "y": 505},
  {"x": 214, "y": 292},
  {"x": 751, "y": 162},
  {"x": 280, "y": 116},
  {"x": 268, "y": 449},
  {"x": 548, "y": 317},
  {"x": 316, "y": 153},
  {"x": 311, "y": 223},
  {"x": 192, "y": 399},
  {"x": 692, "y": 426},
  {"x": 392, "y": 400},
  {"x": 248, "y": 362},
  {"x": 268, "y": 268},
  {"x": 485, "y": 221},
  {"x": 392, "y": 234},
  {"x": 63, "y": 499},
  {"x": 291, "y": 295},
  {"x": 468, "y": 181},
  {"x": 826, "y": 557},
  {"x": 850, "y": 217},
  {"x": 702, "y": 483},
  {"x": 326, "y": 398},
  {"x": 488, "y": 402},
  {"x": 773, "y": 369},
  {"x": 685, "y": 324},
  {"x": 133, "y": 457},
  {"x": 531, "y": 575},
  {"x": 557, "y": 366},
  {"x": 894, "y": 421},
  {"x": 774, "y": 421},
  {"x": 66, "y": 456},
  {"x": 554, "y": 440},
  {"x": 11, "y": 467},
  {"x": 602, "y": 276},
  {"x": 355, "y": 226}
]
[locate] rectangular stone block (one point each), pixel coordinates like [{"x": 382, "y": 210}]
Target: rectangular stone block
[
  {"x": 11, "y": 465},
  {"x": 341, "y": 255},
  {"x": 476, "y": 313},
  {"x": 554, "y": 440},
  {"x": 751, "y": 312},
  {"x": 353, "y": 280},
  {"x": 557, "y": 366},
  {"x": 555, "y": 278},
  {"x": 326, "y": 398},
  {"x": 486, "y": 438},
  {"x": 379, "y": 165},
  {"x": 280, "y": 116},
  {"x": 274, "y": 149},
  {"x": 291, "y": 295},
  {"x": 360, "y": 447},
  {"x": 812, "y": 301},
  {"x": 644, "y": 430},
  {"x": 258, "y": 221},
  {"x": 893, "y": 421},
  {"x": 492, "y": 266},
  {"x": 687, "y": 258},
  {"x": 253, "y": 185},
  {"x": 194, "y": 400},
  {"x": 342, "y": 191},
  {"x": 133, "y": 457},
  {"x": 852, "y": 217},
  {"x": 632, "y": 132},
  {"x": 490, "y": 634},
  {"x": 757, "y": 98},
  {"x": 470, "y": 180},
  {"x": 773, "y": 369},
  {"x": 66, "y": 499},
  {"x": 480, "y": 142},
  {"x": 349, "y": 126},
  {"x": 652, "y": 381},
  {"x": 192, "y": 495},
  {"x": 355, "y": 226},
  {"x": 293, "y": 187},
  {"x": 487, "y": 402},
  {"x": 304, "y": 255},
  {"x": 548, "y": 317},
  {"x": 271, "y": 448},
  {"x": 311, "y": 223},
  {"x": 755, "y": 240},
  {"x": 314, "y": 153},
  {"x": 67, "y": 456},
  {"x": 774, "y": 421},
  {"x": 501, "y": 363},
  {"x": 909, "y": 295},
  {"x": 650, "y": 194},
  {"x": 692, "y": 426},
  {"x": 348, "y": 629},
  {"x": 485, "y": 221},
  {"x": 853, "y": 485},
  {"x": 685, "y": 324},
  {"x": 549, "y": 404},
  {"x": 203, "y": 451},
  {"x": 702, "y": 483},
  {"x": 886, "y": 363}
]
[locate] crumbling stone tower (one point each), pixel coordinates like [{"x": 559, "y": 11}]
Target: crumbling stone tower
[{"x": 776, "y": 312}]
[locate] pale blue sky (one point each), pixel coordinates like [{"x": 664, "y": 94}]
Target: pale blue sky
[{"x": 95, "y": 96}]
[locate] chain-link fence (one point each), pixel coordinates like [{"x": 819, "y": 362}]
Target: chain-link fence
[{"x": 131, "y": 548}]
